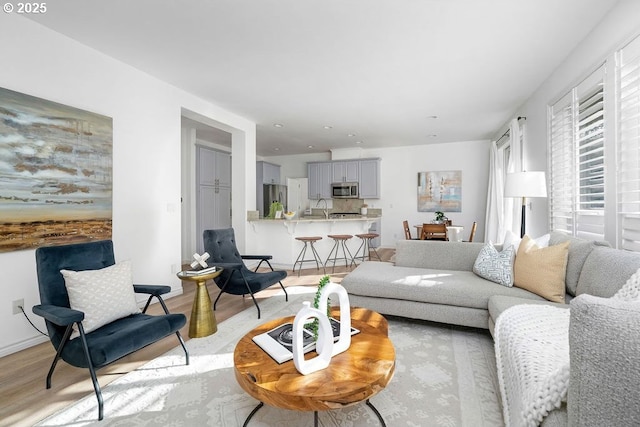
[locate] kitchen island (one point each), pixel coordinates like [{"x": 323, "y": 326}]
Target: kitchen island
[{"x": 277, "y": 237}]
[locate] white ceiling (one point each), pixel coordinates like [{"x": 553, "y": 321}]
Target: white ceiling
[{"x": 379, "y": 69}]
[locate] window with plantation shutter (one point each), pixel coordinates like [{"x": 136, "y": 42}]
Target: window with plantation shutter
[
  {"x": 594, "y": 154},
  {"x": 576, "y": 161},
  {"x": 561, "y": 165},
  {"x": 628, "y": 147},
  {"x": 590, "y": 118}
]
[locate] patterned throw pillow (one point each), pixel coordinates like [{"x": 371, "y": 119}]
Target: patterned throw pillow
[
  {"x": 102, "y": 295},
  {"x": 495, "y": 266}
]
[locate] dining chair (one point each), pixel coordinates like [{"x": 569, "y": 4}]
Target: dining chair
[
  {"x": 407, "y": 230},
  {"x": 434, "y": 232},
  {"x": 473, "y": 231}
]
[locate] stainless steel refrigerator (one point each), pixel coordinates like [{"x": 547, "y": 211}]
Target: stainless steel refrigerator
[{"x": 273, "y": 193}]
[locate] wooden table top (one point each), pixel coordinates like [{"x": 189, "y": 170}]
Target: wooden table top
[{"x": 352, "y": 376}]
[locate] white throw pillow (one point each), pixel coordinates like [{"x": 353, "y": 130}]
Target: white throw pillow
[
  {"x": 102, "y": 295},
  {"x": 495, "y": 266}
]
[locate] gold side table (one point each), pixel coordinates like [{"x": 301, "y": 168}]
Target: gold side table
[{"x": 203, "y": 319}]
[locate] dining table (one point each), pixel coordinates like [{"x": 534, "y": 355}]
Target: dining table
[{"x": 454, "y": 233}]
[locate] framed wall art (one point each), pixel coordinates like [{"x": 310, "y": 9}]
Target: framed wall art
[
  {"x": 440, "y": 191},
  {"x": 55, "y": 173}
]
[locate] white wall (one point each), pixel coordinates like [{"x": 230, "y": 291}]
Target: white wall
[
  {"x": 617, "y": 28},
  {"x": 399, "y": 170},
  {"x": 146, "y": 157}
]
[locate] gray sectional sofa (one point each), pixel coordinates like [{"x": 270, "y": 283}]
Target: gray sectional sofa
[{"x": 434, "y": 281}]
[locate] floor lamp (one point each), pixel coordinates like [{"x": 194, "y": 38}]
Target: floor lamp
[{"x": 523, "y": 185}]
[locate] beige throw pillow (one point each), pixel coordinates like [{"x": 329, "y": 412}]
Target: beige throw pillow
[{"x": 541, "y": 270}]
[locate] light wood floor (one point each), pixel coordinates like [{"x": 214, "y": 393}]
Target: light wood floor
[{"x": 24, "y": 400}]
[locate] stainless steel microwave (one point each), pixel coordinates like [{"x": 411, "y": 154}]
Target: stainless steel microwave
[{"x": 344, "y": 190}]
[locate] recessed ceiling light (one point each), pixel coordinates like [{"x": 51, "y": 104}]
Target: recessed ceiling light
[
  {"x": 358, "y": 142},
  {"x": 351, "y": 135},
  {"x": 278, "y": 125},
  {"x": 309, "y": 146},
  {"x": 277, "y": 149},
  {"x": 327, "y": 127}
]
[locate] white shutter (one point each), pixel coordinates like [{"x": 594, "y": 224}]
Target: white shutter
[
  {"x": 561, "y": 165},
  {"x": 628, "y": 150},
  {"x": 590, "y": 126}
]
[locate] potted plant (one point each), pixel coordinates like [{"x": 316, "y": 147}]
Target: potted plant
[
  {"x": 440, "y": 217},
  {"x": 274, "y": 209}
]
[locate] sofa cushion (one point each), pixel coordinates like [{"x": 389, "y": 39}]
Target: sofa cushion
[
  {"x": 102, "y": 295},
  {"x": 606, "y": 270},
  {"x": 579, "y": 250},
  {"x": 435, "y": 254},
  {"x": 541, "y": 270},
  {"x": 448, "y": 287},
  {"x": 495, "y": 266},
  {"x": 604, "y": 336}
]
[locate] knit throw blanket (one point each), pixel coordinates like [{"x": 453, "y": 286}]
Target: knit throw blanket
[{"x": 532, "y": 356}]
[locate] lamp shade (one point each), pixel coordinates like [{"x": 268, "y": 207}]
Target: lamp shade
[{"x": 525, "y": 184}]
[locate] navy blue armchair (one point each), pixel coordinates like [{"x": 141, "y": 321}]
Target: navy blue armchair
[
  {"x": 110, "y": 342},
  {"x": 236, "y": 278}
]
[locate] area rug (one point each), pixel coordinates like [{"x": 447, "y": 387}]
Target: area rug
[{"x": 445, "y": 376}]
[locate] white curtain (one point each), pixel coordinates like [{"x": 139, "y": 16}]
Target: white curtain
[
  {"x": 513, "y": 207},
  {"x": 494, "y": 220},
  {"x": 503, "y": 213}
]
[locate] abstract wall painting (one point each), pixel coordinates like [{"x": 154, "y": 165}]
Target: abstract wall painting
[
  {"x": 440, "y": 191},
  {"x": 55, "y": 173}
]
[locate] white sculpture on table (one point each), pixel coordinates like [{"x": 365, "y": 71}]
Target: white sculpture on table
[
  {"x": 325, "y": 345},
  {"x": 200, "y": 260}
]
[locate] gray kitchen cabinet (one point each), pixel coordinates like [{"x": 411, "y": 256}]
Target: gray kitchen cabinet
[
  {"x": 214, "y": 167},
  {"x": 267, "y": 173},
  {"x": 345, "y": 171},
  {"x": 320, "y": 178},
  {"x": 213, "y": 198},
  {"x": 369, "y": 179}
]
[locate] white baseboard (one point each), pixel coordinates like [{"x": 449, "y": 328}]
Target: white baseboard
[{"x": 22, "y": 345}]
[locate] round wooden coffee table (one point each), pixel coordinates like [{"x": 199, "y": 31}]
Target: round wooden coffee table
[{"x": 352, "y": 377}]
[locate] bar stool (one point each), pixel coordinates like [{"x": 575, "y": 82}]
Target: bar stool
[
  {"x": 339, "y": 241},
  {"x": 301, "y": 256},
  {"x": 366, "y": 247}
]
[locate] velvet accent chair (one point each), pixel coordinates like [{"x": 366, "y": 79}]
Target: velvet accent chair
[
  {"x": 236, "y": 278},
  {"x": 107, "y": 343}
]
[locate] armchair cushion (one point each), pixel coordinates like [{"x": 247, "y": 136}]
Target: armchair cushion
[
  {"x": 102, "y": 295},
  {"x": 121, "y": 337}
]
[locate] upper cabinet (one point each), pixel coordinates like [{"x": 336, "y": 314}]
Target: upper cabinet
[
  {"x": 369, "y": 179},
  {"x": 214, "y": 167},
  {"x": 267, "y": 173},
  {"x": 366, "y": 172},
  {"x": 345, "y": 171},
  {"x": 320, "y": 176}
]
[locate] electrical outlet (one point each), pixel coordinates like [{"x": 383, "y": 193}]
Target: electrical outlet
[{"x": 16, "y": 305}]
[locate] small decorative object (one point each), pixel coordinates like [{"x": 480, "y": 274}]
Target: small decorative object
[
  {"x": 324, "y": 344},
  {"x": 364, "y": 209},
  {"x": 200, "y": 260},
  {"x": 274, "y": 209},
  {"x": 289, "y": 215},
  {"x": 344, "y": 339},
  {"x": 440, "y": 217}
]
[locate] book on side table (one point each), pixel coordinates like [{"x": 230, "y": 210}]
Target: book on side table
[{"x": 278, "y": 342}]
